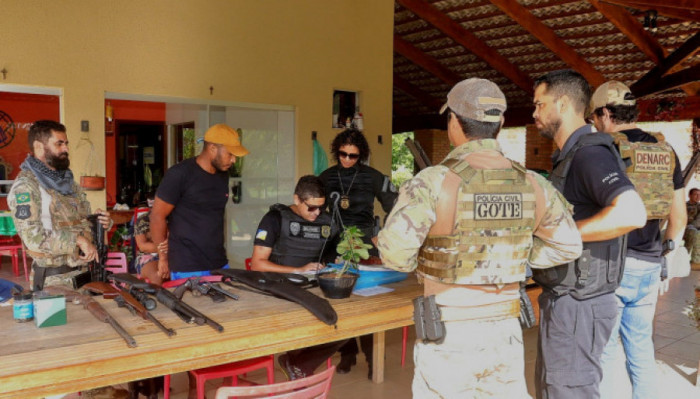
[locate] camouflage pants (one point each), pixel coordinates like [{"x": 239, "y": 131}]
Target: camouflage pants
[
  {"x": 692, "y": 243},
  {"x": 478, "y": 359},
  {"x": 59, "y": 280}
]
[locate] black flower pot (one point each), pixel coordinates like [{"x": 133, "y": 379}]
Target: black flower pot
[{"x": 337, "y": 286}]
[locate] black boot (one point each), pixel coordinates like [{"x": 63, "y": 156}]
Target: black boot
[{"x": 346, "y": 362}]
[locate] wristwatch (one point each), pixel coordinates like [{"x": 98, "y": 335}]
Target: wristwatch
[{"x": 667, "y": 246}]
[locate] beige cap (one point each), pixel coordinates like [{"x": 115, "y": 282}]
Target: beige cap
[
  {"x": 226, "y": 136},
  {"x": 471, "y": 98},
  {"x": 611, "y": 93}
]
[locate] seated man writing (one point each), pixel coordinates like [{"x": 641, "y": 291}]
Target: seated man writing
[{"x": 297, "y": 238}]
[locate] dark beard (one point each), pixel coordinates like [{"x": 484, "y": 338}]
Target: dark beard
[
  {"x": 58, "y": 162},
  {"x": 217, "y": 165},
  {"x": 551, "y": 130}
]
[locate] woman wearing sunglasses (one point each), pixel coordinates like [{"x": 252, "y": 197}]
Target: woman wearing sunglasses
[{"x": 357, "y": 185}]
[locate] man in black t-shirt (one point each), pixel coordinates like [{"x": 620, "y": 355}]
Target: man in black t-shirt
[
  {"x": 192, "y": 198},
  {"x": 577, "y": 304},
  {"x": 293, "y": 239},
  {"x": 614, "y": 109}
]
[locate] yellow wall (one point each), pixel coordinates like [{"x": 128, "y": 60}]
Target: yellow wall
[{"x": 288, "y": 52}]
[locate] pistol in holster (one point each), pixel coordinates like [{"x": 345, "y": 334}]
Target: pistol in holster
[
  {"x": 426, "y": 316},
  {"x": 527, "y": 312}
]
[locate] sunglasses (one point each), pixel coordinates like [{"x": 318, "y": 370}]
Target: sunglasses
[
  {"x": 314, "y": 208},
  {"x": 349, "y": 156}
]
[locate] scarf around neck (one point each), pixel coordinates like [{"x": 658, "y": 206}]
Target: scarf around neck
[{"x": 59, "y": 180}]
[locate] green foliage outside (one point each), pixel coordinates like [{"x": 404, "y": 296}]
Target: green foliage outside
[
  {"x": 401, "y": 159},
  {"x": 187, "y": 143}
]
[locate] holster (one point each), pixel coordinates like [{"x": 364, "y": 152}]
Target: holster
[
  {"x": 426, "y": 316},
  {"x": 278, "y": 285},
  {"x": 40, "y": 274}
]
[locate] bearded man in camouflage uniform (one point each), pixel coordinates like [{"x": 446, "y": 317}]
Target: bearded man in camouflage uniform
[
  {"x": 50, "y": 210},
  {"x": 691, "y": 237},
  {"x": 471, "y": 226}
]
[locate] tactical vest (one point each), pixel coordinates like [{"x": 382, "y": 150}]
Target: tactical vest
[
  {"x": 650, "y": 168},
  {"x": 64, "y": 213},
  {"x": 300, "y": 241},
  {"x": 495, "y": 218},
  {"x": 599, "y": 268}
]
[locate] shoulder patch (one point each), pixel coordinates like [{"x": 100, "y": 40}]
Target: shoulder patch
[
  {"x": 23, "y": 212},
  {"x": 261, "y": 235},
  {"x": 22, "y": 198}
]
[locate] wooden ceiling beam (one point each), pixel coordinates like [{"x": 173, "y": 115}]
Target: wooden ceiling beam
[
  {"x": 430, "y": 64},
  {"x": 413, "y": 91},
  {"x": 631, "y": 28},
  {"x": 668, "y": 82},
  {"x": 550, "y": 39},
  {"x": 652, "y": 4},
  {"x": 456, "y": 32},
  {"x": 687, "y": 49},
  {"x": 665, "y": 9}
]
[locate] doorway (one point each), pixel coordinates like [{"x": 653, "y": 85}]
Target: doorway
[{"x": 140, "y": 159}]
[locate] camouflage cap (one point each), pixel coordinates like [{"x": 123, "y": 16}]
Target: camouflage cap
[
  {"x": 472, "y": 98},
  {"x": 611, "y": 93}
]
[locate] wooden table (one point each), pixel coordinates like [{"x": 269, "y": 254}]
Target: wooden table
[{"x": 87, "y": 354}]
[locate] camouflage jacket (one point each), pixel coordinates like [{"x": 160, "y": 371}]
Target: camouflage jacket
[
  {"x": 49, "y": 222},
  {"x": 556, "y": 240},
  {"x": 693, "y": 214}
]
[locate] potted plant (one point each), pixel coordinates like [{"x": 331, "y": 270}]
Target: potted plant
[{"x": 337, "y": 283}]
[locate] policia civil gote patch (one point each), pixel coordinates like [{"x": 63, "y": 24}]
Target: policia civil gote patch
[{"x": 489, "y": 206}]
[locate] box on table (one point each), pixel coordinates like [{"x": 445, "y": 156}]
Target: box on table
[{"x": 50, "y": 310}]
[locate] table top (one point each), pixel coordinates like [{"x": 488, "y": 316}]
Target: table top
[{"x": 86, "y": 353}]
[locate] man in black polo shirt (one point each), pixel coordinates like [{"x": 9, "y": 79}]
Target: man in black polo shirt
[
  {"x": 577, "y": 304},
  {"x": 295, "y": 239},
  {"x": 656, "y": 171}
]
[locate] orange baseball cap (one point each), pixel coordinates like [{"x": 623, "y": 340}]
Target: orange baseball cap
[{"x": 226, "y": 136}]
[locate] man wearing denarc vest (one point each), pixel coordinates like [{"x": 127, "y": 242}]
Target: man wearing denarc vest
[
  {"x": 577, "y": 304},
  {"x": 295, "y": 239},
  {"x": 653, "y": 167},
  {"x": 471, "y": 226}
]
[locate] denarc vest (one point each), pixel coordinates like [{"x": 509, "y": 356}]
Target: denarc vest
[
  {"x": 300, "y": 241},
  {"x": 650, "y": 168},
  {"x": 495, "y": 219},
  {"x": 599, "y": 268}
]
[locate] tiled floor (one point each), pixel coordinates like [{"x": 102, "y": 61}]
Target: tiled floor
[{"x": 676, "y": 339}]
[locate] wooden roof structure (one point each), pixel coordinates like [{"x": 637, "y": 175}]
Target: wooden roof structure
[{"x": 650, "y": 45}]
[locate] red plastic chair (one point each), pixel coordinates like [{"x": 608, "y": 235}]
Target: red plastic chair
[
  {"x": 232, "y": 370},
  {"x": 116, "y": 262},
  {"x": 314, "y": 386},
  {"x": 10, "y": 246}
]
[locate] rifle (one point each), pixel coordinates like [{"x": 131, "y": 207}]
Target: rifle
[
  {"x": 186, "y": 312},
  {"x": 419, "y": 156},
  {"x": 97, "y": 267},
  {"x": 95, "y": 308},
  {"x": 124, "y": 299},
  {"x": 202, "y": 287}
]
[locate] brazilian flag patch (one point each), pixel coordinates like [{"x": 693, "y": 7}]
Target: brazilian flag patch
[{"x": 22, "y": 198}]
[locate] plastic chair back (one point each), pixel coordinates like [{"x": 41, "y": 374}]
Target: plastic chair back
[
  {"x": 314, "y": 386},
  {"x": 116, "y": 262}
]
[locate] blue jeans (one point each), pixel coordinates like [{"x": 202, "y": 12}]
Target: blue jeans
[
  {"x": 636, "y": 301},
  {"x": 179, "y": 275}
]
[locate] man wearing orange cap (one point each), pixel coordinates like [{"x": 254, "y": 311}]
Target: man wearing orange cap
[{"x": 192, "y": 198}]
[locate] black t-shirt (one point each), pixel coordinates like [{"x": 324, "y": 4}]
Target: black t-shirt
[
  {"x": 645, "y": 243},
  {"x": 196, "y": 224}
]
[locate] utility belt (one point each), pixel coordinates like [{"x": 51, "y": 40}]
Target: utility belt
[
  {"x": 41, "y": 273},
  {"x": 430, "y": 318}
]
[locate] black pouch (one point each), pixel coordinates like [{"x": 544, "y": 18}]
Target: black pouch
[{"x": 426, "y": 316}]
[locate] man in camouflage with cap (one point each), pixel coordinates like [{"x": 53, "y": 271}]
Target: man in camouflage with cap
[
  {"x": 577, "y": 304},
  {"x": 50, "y": 210},
  {"x": 50, "y": 213},
  {"x": 655, "y": 170},
  {"x": 471, "y": 226},
  {"x": 691, "y": 236}
]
